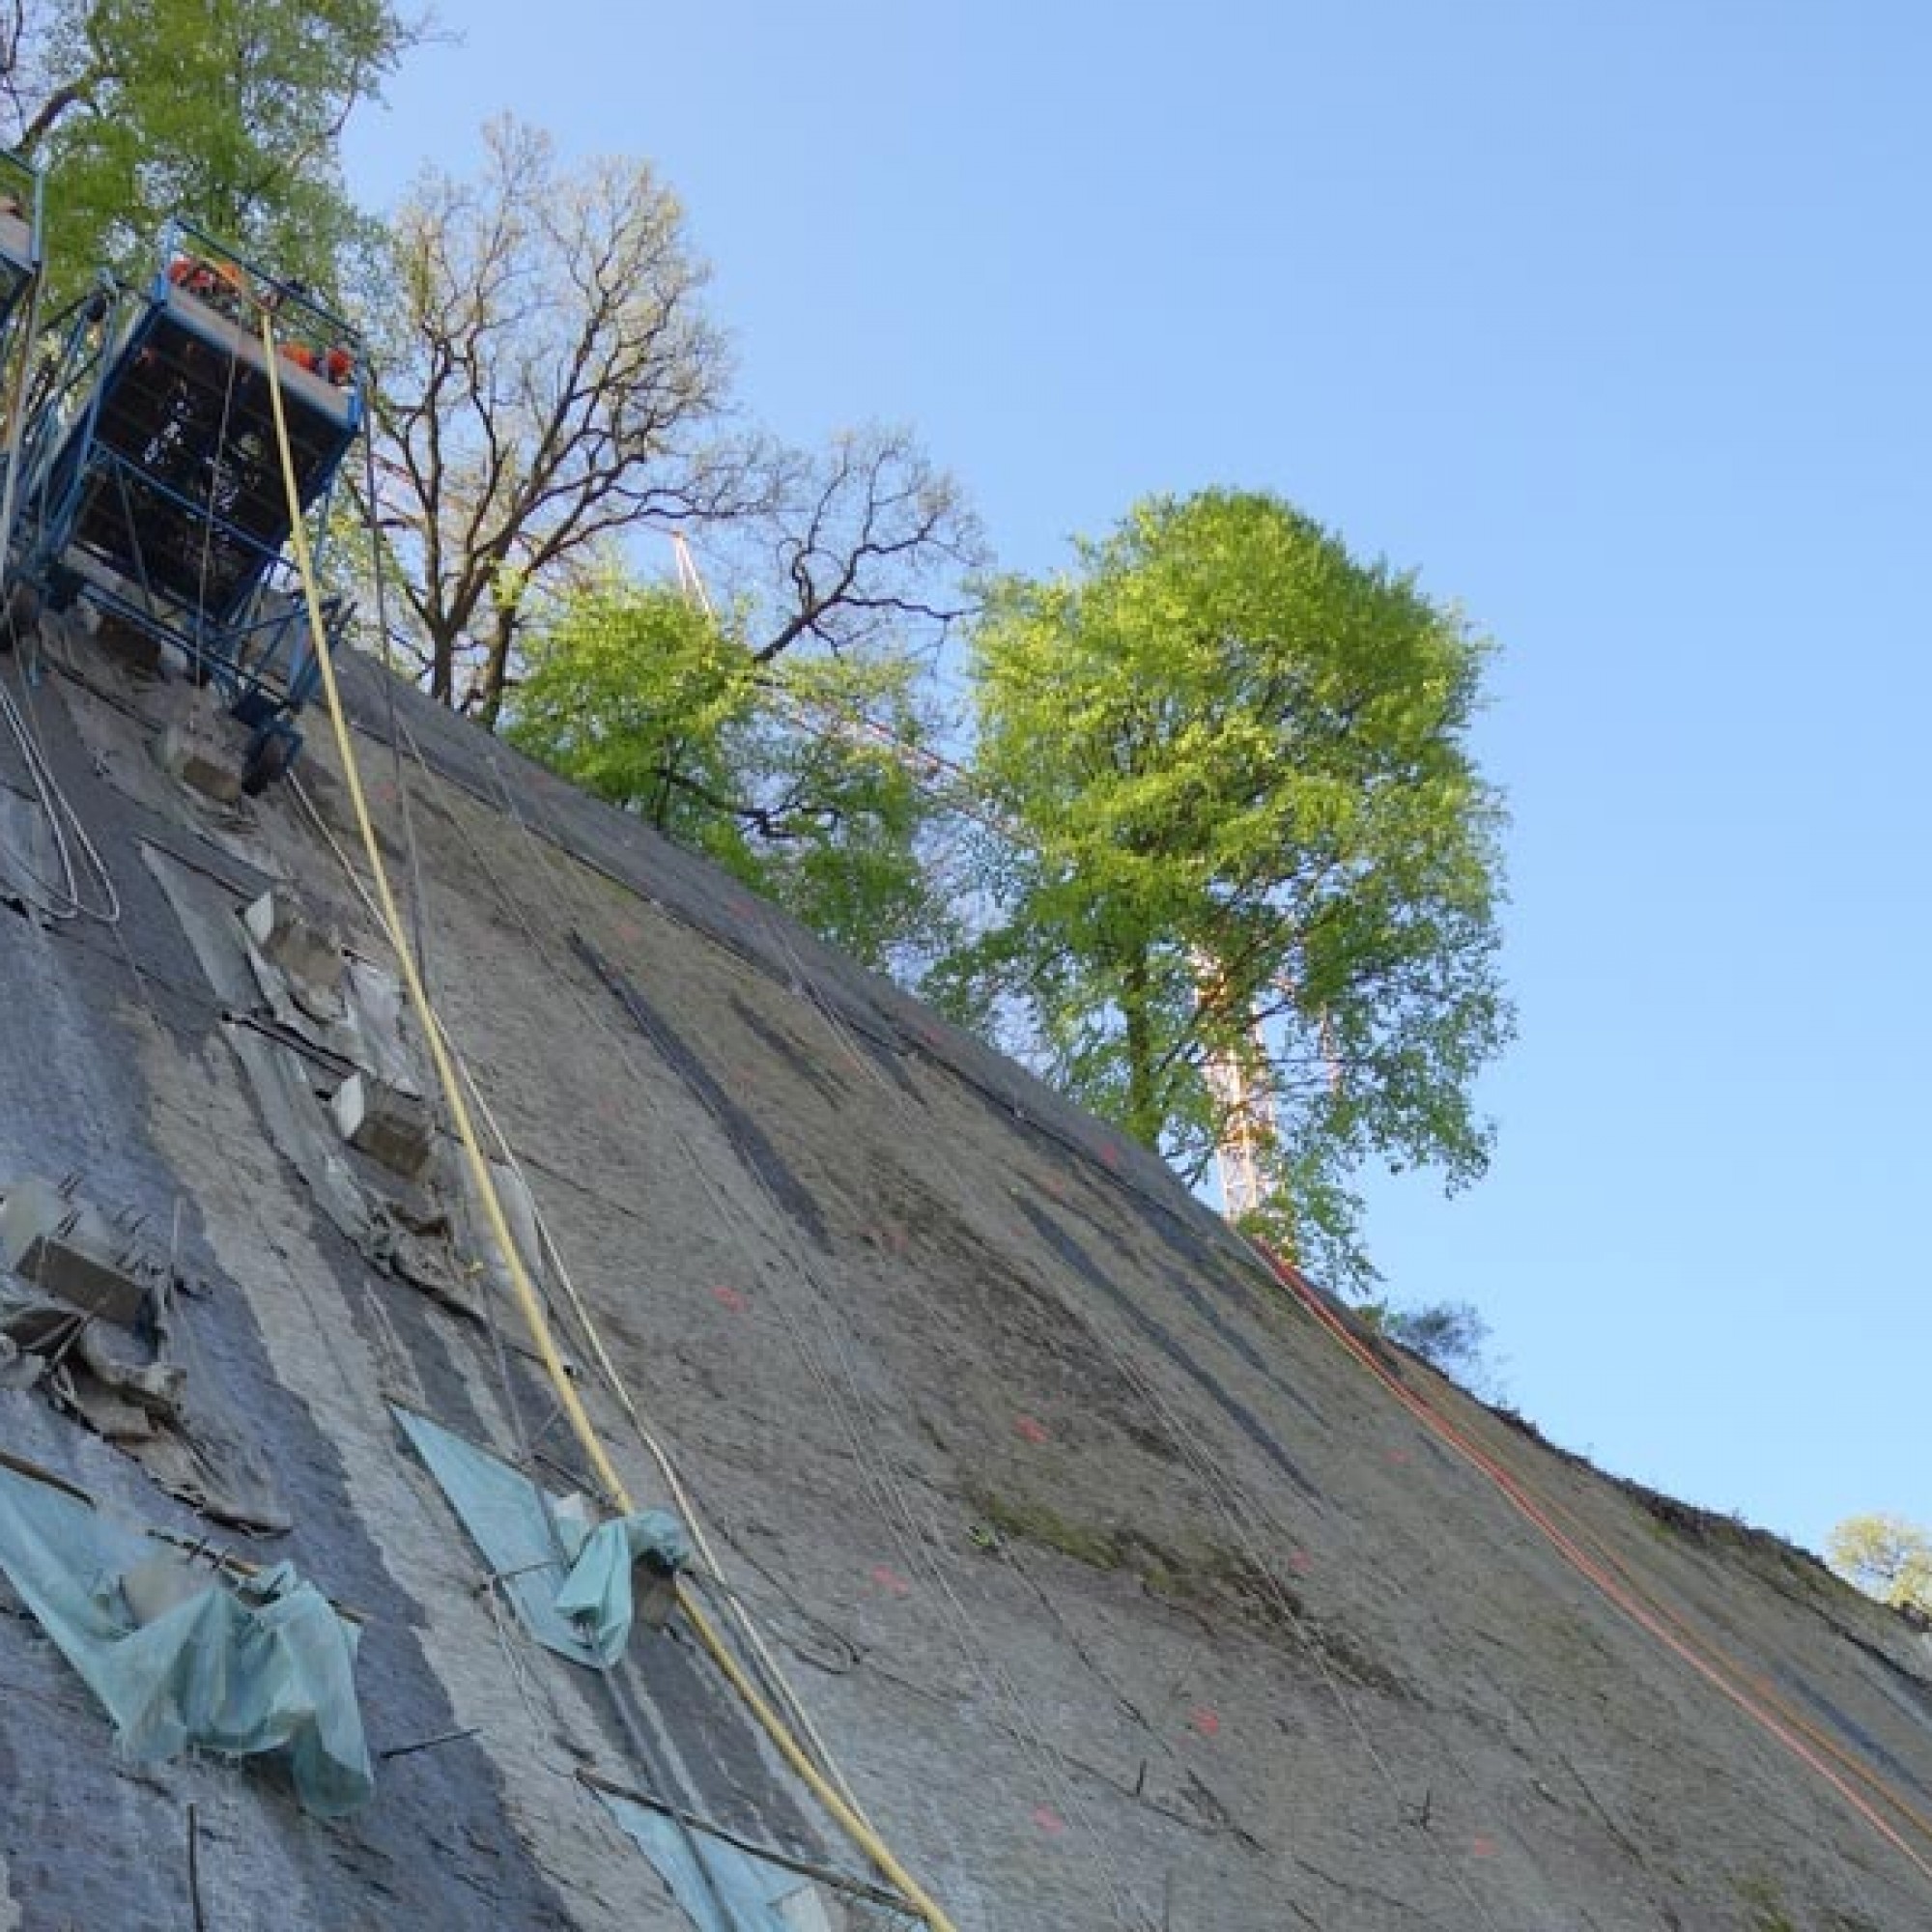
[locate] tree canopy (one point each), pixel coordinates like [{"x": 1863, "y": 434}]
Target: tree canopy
[
  {"x": 1248, "y": 830},
  {"x": 554, "y": 384},
  {"x": 787, "y": 769},
  {"x": 549, "y": 378},
  {"x": 226, "y": 111},
  {"x": 1886, "y": 1556}
]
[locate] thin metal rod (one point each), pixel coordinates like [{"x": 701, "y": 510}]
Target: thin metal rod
[
  {"x": 427, "y": 1744},
  {"x": 195, "y": 1872},
  {"x": 858, "y": 1888}
]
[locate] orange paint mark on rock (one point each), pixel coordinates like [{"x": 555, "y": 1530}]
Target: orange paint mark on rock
[
  {"x": 1049, "y": 1820},
  {"x": 890, "y": 1580},
  {"x": 1482, "y": 1848},
  {"x": 1110, "y": 1157},
  {"x": 1030, "y": 1430},
  {"x": 1204, "y": 1721},
  {"x": 727, "y": 1297}
]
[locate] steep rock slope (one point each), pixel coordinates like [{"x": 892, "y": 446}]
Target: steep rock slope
[{"x": 1126, "y": 1590}]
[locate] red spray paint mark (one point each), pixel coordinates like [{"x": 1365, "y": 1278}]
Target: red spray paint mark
[
  {"x": 1205, "y": 1722},
  {"x": 729, "y": 1298},
  {"x": 1482, "y": 1848},
  {"x": 1300, "y": 1562},
  {"x": 1110, "y": 1157},
  {"x": 1049, "y": 1820},
  {"x": 1030, "y": 1430},
  {"x": 890, "y": 1580}
]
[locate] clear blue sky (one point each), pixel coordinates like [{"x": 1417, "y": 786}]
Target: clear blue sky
[{"x": 1615, "y": 323}]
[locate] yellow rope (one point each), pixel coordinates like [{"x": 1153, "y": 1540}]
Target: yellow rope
[{"x": 528, "y": 1305}]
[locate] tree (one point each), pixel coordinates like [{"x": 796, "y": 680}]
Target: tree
[
  {"x": 555, "y": 385},
  {"x": 787, "y": 769},
  {"x": 551, "y": 379},
  {"x": 1249, "y": 832},
  {"x": 226, "y": 111},
  {"x": 1886, "y": 1556},
  {"x": 1450, "y": 1336}
]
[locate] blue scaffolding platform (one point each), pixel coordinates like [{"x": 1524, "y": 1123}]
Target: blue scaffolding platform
[{"x": 151, "y": 482}]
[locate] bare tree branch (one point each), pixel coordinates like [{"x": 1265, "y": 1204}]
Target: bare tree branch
[{"x": 554, "y": 380}]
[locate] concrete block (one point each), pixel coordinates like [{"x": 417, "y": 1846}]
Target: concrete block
[
  {"x": 385, "y": 1123},
  {"x": 205, "y": 751},
  {"x": 67, "y": 1247},
  {"x": 290, "y": 938}
]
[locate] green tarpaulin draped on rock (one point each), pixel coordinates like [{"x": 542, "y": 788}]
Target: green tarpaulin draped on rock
[
  {"x": 571, "y": 1584},
  {"x": 180, "y": 1656}
]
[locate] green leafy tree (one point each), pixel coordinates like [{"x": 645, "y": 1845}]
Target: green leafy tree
[
  {"x": 227, "y": 111},
  {"x": 790, "y": 770},
  {"x": 1886, "y": 1556},
  {"x": 1249, "y": 834}
]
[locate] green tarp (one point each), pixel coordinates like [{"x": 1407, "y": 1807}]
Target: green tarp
[
  {"x": 181, "y": 1658},
  {"x": 571, "y": 1584}
]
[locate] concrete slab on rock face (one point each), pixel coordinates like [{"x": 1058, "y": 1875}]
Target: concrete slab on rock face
[
  {"x": 203, "y": 747},
  {"x": 200, "y": 753},
  {"x": 65, "y": 1246},
  {"x": 385, "y": 1123},
  {"x": 289, "y": 936}
]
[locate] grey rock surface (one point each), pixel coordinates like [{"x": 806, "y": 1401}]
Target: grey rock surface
[{"x": 1126, "y": 1595}]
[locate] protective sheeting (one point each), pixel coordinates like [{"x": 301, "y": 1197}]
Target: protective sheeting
[
  {"x": 597, "y": 1594},
  {"x": 571, "y": 1584},
  {"x": 178, "y": 1659},
  {"x": 726, "y": 1891}
]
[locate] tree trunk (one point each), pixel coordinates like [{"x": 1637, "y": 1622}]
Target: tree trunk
[
  {"x": 442, "y": 666},
  {"x": 496, "y": 670},
  {"x": 1143, "y": 1119}
]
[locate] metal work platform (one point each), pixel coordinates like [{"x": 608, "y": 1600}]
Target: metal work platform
[{"x": 152, "y": 481}]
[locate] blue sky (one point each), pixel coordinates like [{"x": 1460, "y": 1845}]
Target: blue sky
[{"x": 1613, "y": 323}]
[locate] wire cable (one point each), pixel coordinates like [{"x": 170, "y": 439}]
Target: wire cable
[{"x": 1569, "y": 1541}]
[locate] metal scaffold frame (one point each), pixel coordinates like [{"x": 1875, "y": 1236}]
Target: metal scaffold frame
[{"x": 147, "y": 477}]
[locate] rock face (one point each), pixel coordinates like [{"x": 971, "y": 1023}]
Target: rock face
[{"x": 1128, "y": 1587}]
